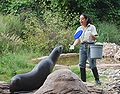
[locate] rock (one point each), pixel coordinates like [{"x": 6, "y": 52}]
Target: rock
[
  {"x": 57, "y": 67},
  {"x": 4, "y": 88},
  {"x": 36, "y": 60},
  {"x": 117, "y": 55},
  {"x": 110, "y": 49},
  {"x": 62, "y": 81},
  {"x": 115, "y": 87},
  {"x": 67, "y": 57}
]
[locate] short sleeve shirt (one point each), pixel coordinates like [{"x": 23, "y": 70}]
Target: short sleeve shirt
[{"x": 90, "y": 30}]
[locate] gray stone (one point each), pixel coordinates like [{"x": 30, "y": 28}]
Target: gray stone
[{"x": 62, "y": 81}]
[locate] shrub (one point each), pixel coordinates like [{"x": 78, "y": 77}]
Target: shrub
[
  {"x": 11, "y": 24},
  {"x": 10, "y": 32},
  {"x": 108, "y": 32},
  {"x": 45, "y": 35}
]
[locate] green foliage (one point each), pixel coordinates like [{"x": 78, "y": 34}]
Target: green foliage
[
  {"x": 35, "y": 38},
  {"x": 14, "y": 6},
  {"x": 108, "y": 32},
  {"x": 17, "y": 7},
  {"x": 10, "y": 42},
  {"x": 107, "y": 10},
  {"x": 10, "y": 33},
  {"x": 57, "y": 30},
  {"x": 45, "y": 35},
  {"x": 17, "y": 63},
  {"x": 11, "y": 24},
  {"x": 46, "y": 32},
  {"x": 102, "y": 10}
]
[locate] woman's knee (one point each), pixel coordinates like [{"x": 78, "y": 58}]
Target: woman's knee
[
  {"x": 82, "y": 65},
  {"x": 92, "y": 66}
]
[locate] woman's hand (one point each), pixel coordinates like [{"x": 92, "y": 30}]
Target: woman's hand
[
  {"x": 74, "y": 44},
  {"x": 72, "y": 47},
  {"x": 92, "y": 37}
]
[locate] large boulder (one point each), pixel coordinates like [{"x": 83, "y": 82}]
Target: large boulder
[{"x": 62, "y": 81}]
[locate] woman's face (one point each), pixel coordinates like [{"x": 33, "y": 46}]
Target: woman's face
[{"x": 83, "y": 21}]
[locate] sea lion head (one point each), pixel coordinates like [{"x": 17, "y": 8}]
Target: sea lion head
[
  {"x": 56, "y": 53},
  {"x": 60, "y": 49}
]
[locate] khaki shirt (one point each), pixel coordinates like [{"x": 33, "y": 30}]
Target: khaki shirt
[{"x": 87, "y": 32}]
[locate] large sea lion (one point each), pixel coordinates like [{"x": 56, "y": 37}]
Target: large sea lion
[{"x": 35, "y": 78}]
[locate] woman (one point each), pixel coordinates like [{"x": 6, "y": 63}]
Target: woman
[{"x": 87, "y": 38}]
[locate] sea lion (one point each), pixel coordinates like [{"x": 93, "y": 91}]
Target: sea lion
[{"x": 35, "y": 78}]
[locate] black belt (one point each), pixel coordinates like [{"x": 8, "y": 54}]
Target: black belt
[{"x": 87, "y": 42}]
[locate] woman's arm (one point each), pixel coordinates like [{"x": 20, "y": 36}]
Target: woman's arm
[
  {"x": 75, "y": 43},
  {"x": 94, "y": 33}
]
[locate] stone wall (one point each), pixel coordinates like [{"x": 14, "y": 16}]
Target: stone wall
[{"x": 111, "y": 50}]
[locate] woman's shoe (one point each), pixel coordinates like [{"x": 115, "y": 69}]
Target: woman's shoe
[{"x": 98, "y": 82}]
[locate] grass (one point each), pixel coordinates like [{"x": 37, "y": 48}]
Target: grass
[
  {"x": 15, "y": 63},
  {"x": 19, "y": 63},
  {"x": 89, "y": 75}
]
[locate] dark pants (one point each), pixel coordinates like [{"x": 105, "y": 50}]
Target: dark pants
[{"x": 85, "y": 55}]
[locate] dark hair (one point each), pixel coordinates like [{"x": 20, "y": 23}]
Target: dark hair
[{"x": 87, "y": 18}]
